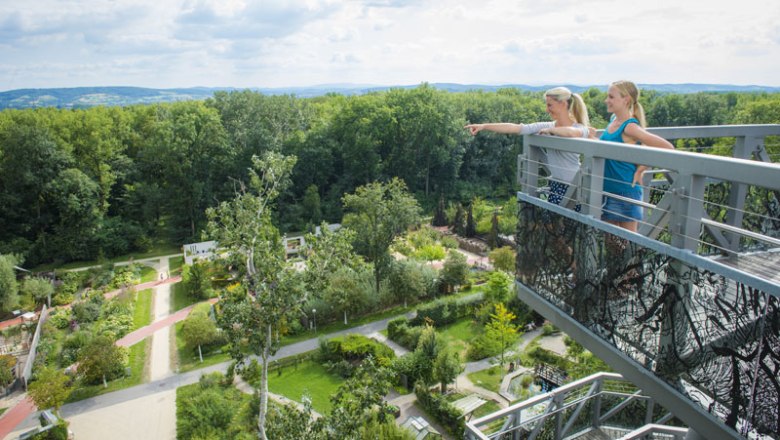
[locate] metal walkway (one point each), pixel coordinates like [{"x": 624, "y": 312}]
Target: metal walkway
[{"x": 688, "y": 310}]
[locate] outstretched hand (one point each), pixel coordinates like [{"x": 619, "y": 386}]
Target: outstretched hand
[{"x": 474, "y": 128}]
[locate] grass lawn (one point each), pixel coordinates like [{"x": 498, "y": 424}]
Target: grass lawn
[
  {"x": 142, "y": 315},
  {"x": 174, "y": 265},
  {"x": 148, "y": 274},
  {"x": 489, "y": 379},
  {"x": 179, "y": 299},
  {"x": 459, "y": 334},
  {"x": 308, "y": 377}
]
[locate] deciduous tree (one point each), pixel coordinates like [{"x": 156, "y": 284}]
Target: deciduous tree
[
  {"x": 378, "y": 212},
  {"x": 501, "y": 329},
  {"x": 50, "y": 388},
  {"x": 198, "y": 330}
]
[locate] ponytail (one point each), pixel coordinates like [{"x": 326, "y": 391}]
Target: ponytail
[
  {"x": 639, "y": 114},
  {"x": 578, "y": 110}
]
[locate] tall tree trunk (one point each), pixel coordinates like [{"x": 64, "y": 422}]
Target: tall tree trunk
[
  {"x": 200, "y": 354},
  {"x": 264, "y": 386},
  {"x": 345, "y": 317}
]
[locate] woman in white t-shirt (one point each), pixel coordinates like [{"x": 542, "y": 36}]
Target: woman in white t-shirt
[{"x": 570, "y": 119}]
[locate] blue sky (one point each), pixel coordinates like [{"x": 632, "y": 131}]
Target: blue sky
[{"x": 278, "y": 43}]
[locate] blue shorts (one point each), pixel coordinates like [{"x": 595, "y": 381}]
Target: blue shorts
[
  {"x": 616, "y": 210},
  {"x": 557, "y": 191}
]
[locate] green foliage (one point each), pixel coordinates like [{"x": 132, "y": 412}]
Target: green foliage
[
  {"x": 455, "y": 270},
  {"x": 447, "y": 367},
  {"x": 355, "y": 347},
  {"x": 501, "y": 328},
  {"x": 102, "y": 360},
  {"x": 72, "y": 346},
  {"x": 444, "y": 311},
  {"x": 198, "y": 330},
  {"x": 209, "y": 409},
  {"x": 378, "y": 213},
  {"x": 110, "y": 180},
  {"x": 39, "y": 289},
  {"x": 503, "y": 259},
  {"x": 498, "y": 288},
  {"x": 196, "y": 279},
  {"x": 442, "y": 410},
  {"x": 430, "y": 252},
  {"x": 407, "y": 281},
  {"x": 88, "y": 311},
  {"x": 7, "y": 362},
  {"x": 9, "y": 288},
  {"x": 49, "y": 389}
]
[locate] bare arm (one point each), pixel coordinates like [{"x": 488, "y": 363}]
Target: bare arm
[
  {"x": 646, "y": 138},
  {"x": 583, "y": 132},
  {"x": 497, "y": 127}
]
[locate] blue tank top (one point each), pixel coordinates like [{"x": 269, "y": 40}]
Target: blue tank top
[{"x": 618, "y": 175}]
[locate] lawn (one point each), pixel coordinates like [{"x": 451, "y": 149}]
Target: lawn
[
  {"x": 489, "y": 379},
  {"x": 148, "y": 274},
  {"x": 459, "y": 334},
  {"x": 142, "y": 315},
  {"x": 309, "y": 378},
  {"x": 174, "y": 265},
  {"x": 179, "y": 298}
]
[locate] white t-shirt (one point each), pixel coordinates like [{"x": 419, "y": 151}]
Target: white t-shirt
[{"x": 563, "y": 165}]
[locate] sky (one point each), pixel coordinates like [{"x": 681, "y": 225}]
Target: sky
[{"x": 291, "y": 43}]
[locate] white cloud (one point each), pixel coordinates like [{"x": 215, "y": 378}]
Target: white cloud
[{"x": 51, "y": 43}]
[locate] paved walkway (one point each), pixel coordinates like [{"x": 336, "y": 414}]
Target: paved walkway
[{"x": 160, "y": 363}]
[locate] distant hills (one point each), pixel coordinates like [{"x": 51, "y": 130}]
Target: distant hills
[{"x": 81, "y": 97}]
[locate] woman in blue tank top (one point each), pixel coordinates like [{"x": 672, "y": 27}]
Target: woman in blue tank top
[{"x": 621, "y": 178}]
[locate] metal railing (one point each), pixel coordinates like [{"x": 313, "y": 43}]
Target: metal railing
[
  {"x": 701, "y": 335},
  {"x": 595, "y": 402}
]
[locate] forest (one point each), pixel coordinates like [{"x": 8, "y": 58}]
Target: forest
[{"x": 94, "y": 183}]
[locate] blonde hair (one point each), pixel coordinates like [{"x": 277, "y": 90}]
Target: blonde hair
[
  {"x": 630, "y": 90},
  {"x": 577, "y": 108}
]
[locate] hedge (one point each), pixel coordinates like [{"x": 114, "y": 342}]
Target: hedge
[{"x": 445, "y": 412}]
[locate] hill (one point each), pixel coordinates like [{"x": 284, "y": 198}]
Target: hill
[{"x": 81, "y": 97}]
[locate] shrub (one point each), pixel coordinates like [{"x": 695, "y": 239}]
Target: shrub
[
  {"x": 355, "y": 347},
  {"x": 438, "y": 406},
  {"x": 449, "y": 242},
  {"x": 73, "y": 345},
  {"x": 60, "y": 320},
  {"x": 483, "y": 347},
  {"x": 430, "y": 252}
]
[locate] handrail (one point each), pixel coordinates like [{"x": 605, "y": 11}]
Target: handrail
[{"x": 724, "y": 168}]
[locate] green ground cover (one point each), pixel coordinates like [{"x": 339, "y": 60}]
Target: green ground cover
[
  {"x": 489, "y": 379},
  {"x": 179, "y": 298},
  {"x": 148, "y": 274},
  {"x": 175, "y": 264},
  {"x": 309, "y": 378},
  {"x": 142, "y": 314},
  {"x": 460, "y": 334}
]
